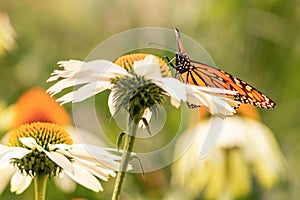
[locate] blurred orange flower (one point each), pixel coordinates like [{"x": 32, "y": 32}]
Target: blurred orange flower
[{"x": 36, "y": 105}]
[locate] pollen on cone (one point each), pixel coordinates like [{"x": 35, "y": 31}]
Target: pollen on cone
[
  {"x": 43, "y": 133},
  {"x": 127, "y": 62}
]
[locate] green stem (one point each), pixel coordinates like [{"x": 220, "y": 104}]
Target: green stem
[
  {"x": 40, "y": 183},
  {"x": 128, "y": 147}
]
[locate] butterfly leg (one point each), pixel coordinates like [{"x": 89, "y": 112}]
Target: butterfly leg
[{"x": 169, "y": 61}]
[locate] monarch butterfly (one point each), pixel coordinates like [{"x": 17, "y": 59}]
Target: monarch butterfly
[{"x": 198, "y": 73}]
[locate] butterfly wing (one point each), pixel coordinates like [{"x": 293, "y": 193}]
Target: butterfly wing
[
  {"x": 204, "y": 75},
  {"x": 197, "y": 73}
]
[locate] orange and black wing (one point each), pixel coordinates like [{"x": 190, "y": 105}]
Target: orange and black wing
[
  {"x": 204, "y": 75},
  {"x": 197, "y": 73}
]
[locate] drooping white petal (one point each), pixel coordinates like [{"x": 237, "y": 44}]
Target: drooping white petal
[
  {"x": 66, "y": 98},
  {"x": 147, "y": 116},
  {"x": 69, "y": 82},
  {"x": 196, "y": 99},
  {"x": 20, "y": 182},
  {"x": 84, "y": 92},
  {"x": 101, "y": 167},
  {"x": 101, "y": 156},
  {"x": 6, "y": 175},
  {"x": 217, "y": 102},
  {"x": 111, "y": 103},
  {"x": 3, "y": 148},
  {"x": 12, "y": 152},
  {"x": 31, "y": 143},
  {"x": 173, "y": 87},
  {"x": 87, "y": 150},
  {"x": 174, "y": 102},
  {"x": 85, "y": 178},
  {"x": 58, "y": 146},
  {"x": 65, "y": 183},
  {"x": 148, "y": 67},
  {"x": 60, "y": 160},
  {"x": 217, "y": 91},
  {"x": 96, "y": 169}
]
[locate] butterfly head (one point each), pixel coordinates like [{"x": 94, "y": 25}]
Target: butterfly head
[{"x": 182, "y": 63}]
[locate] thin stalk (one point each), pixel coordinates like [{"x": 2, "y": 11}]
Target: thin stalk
[
  {"x": 40, "y": 183},
  {"x": 128, "y": 147}
]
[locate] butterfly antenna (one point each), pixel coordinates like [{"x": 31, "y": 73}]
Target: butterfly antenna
[{"x": 161, "y": 45}]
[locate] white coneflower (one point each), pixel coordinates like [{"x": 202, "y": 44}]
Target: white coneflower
[
  {"x": 144, "y": 79},
  {"x": 137, "y": 84},
  {"x": 38, "y": 144},
  {"x": 246, "y": 149},
  {"x": 46, "y": 150}
]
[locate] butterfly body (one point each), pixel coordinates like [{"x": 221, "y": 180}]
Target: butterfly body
[{"x": 200, "y": 74}]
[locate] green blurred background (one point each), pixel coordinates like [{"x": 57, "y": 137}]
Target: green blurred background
[{"x": 257, "y": 41}]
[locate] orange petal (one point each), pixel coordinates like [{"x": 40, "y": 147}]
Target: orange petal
[{"x": 36, "y": 105}]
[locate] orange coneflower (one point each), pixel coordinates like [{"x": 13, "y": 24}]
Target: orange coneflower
[{"x": 36, "y": 105}]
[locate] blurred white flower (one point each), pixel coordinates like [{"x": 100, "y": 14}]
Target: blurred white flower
[
  {"x": 7, "y": 34},
  {"x": 245, "y": 149},
  {"x": 6, "y": 116}
]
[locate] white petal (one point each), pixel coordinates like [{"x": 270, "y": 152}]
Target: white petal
[
  {"x": 174, "y": 102},
  {"x": 65, "y": 183},
  {"x": 84, "y": 92},
  {"x": 69, "y": 82},
  {"x": 148, "y": 67},
  {"x": 20, "y": 182},
  {"x": 112, "y": 103},
  {"x": 95, "y": 74},
  {"x": 6, "y": 175},
  {"x": 82, "y": 69},
  {"x": 60, "y": 160},
  {"x": 31, "y": 143},
  {"x": 12, "y": 152},
  {"x": 3, "y": 148},
  {"x": 87, "y": 150},
  {"x": 98, "y": 155},
  {"x": 211, "y": 90},
  {"x": 173, "y": 87},
  {"x": 85, "y": 178},
  {"x": 71, "y": 67},
  {"x": 95, "y": 163},
  {"x": 196, "y": 97},
  {"x": 104, "y": 66},
  {"x": 66, "y": 98},
  {"x": 58, "y": 146},
  {"x": 95, "y": 169},
  {"x": 147, "y": 115},
  {"x": 70, "y": 63},
  {"x": 217, "y": 103}
]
